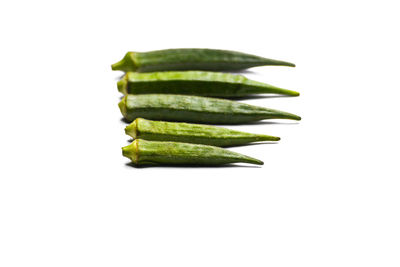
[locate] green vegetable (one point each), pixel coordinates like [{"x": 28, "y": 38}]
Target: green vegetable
[
  {"x": 142, "y": 152},
  {"x": 191, "y": 133},
  {"x": 195, "y": 109},
  {"x": 192, "y": 59},
  {"x": 199, "y": 83}
]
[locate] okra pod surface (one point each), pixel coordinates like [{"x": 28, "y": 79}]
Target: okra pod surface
[
  {"x": 182, "y": 108},
  {"x": 200, "y": 83},
  {"x": 192, "y": 133},
  {"x": 142, "y": 152},
  {"x": 192, "y": 59}
]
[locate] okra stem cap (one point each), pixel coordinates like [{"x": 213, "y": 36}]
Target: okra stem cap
[
  {"x": 131, "y": 151},
  {"x": 127, "y": 63},
  {"x": 122, "y": 106},
  {"x": 131, "y": 129},
  {"x": 123, "y": 85}
]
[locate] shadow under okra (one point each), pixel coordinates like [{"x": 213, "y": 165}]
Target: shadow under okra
[
  {"x": 247, "y": 123},
  {"x": 133, "y": 165}
]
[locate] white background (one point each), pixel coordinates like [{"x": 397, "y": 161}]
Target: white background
[{"x": 328, "y": 194}]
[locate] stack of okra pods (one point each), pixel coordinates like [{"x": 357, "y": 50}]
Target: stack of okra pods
[{"x": 165, "y": 89}]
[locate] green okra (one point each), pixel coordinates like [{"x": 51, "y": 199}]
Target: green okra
[
  {"x": 201, "y": 83},
  {"x": 195, "y": 109},
  {"x": 192, "y": 133},
  {"x": 192, "y": 59},
  {"x": 142, "y": 152}
]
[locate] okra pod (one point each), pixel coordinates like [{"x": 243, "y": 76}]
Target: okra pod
[
  {"x": 192, "y": 133},
  {"x": 195, "y": 109},
  {"x": 192, "y": 59},
  {"x": 200, "y": 83},
  {"x": 142, "y": 152}
]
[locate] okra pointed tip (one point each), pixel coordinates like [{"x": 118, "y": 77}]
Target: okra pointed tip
[
  {"x": 257, "y": 161},
  {"x": 268, "y": 138},
  {"x": 291, "y": 92},
  {"x": 286, "y": 63},
  {"x": 251, "y": 160},
  {"x": 287, "y": 92},
  {"x": 291, "y": 116},
  {"x": 279, "y": 63}
]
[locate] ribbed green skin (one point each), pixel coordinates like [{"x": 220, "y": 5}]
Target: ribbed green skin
[
  {"x": 192, "y": 133},
  {"x": 200, "y": 83},
  {"x": 142, "y": 152},
  {"x": 192, "y": 59},
  {"x": 195, "y": 109}
]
